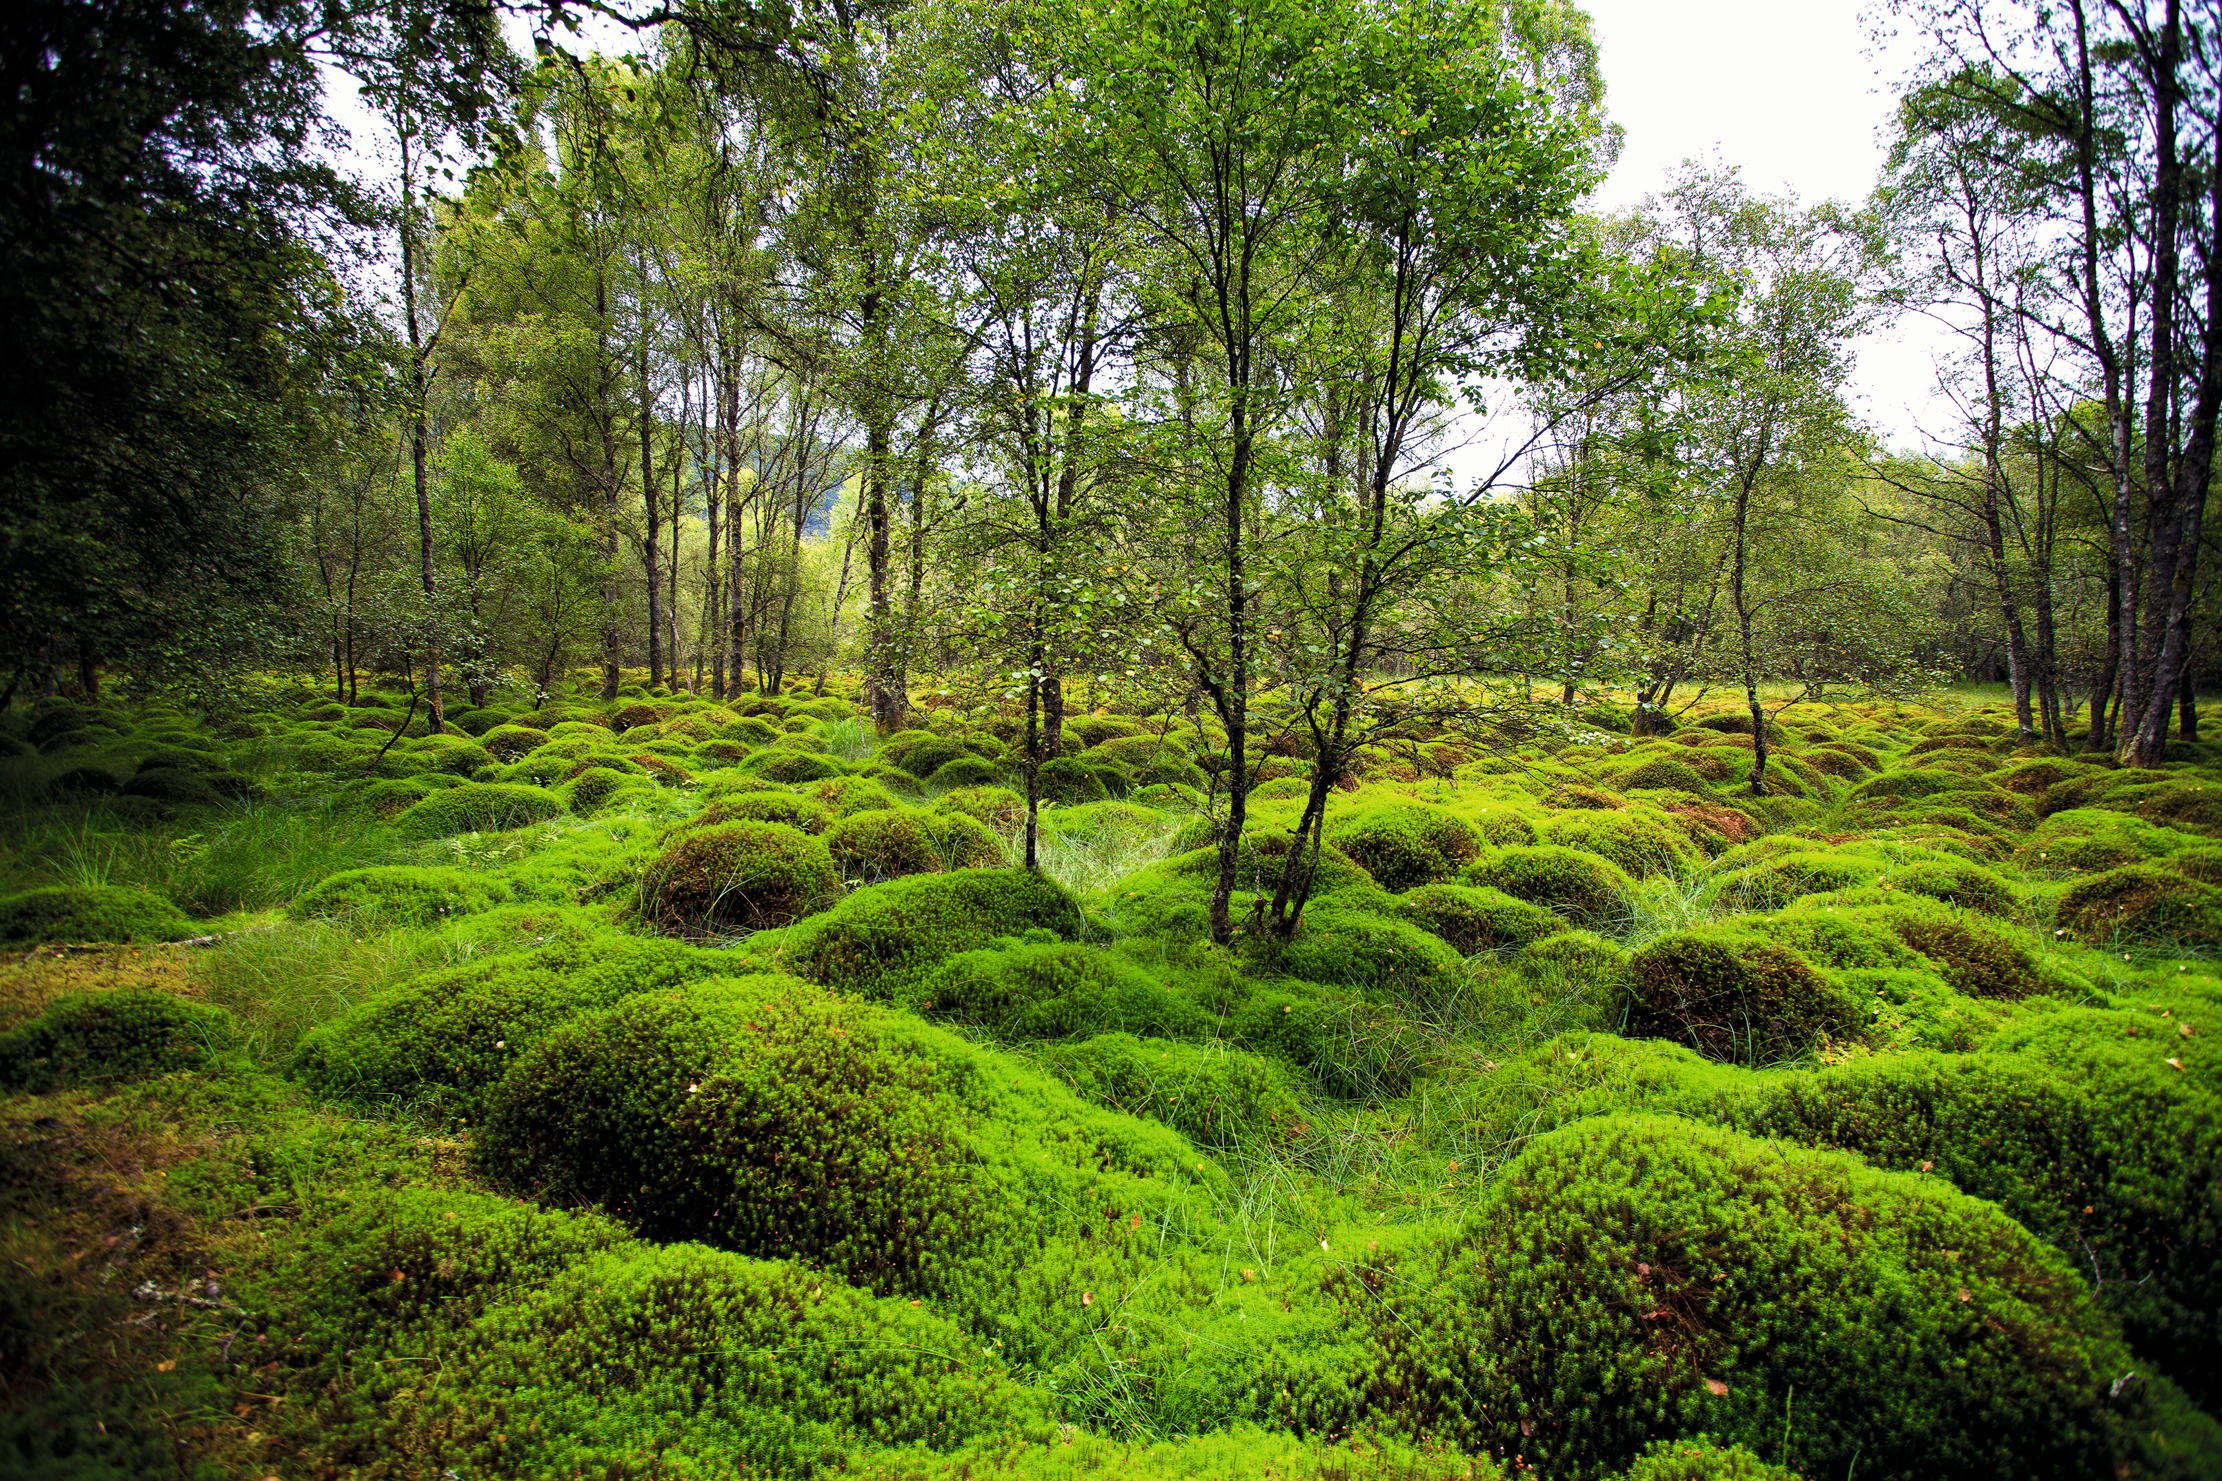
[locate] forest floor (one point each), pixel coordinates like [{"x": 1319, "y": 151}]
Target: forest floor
[{"x": 670, "y": 1088}]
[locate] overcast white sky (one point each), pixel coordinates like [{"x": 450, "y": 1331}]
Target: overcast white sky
[{"x": 1793, "y": 93}]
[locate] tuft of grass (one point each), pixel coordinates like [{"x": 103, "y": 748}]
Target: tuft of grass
[
  {"x": 1665, "y": 903},
  {"x": 1089, "y": 860},
  {"x": 850, "y": 739},
  {"x": 245, "y": 856}
]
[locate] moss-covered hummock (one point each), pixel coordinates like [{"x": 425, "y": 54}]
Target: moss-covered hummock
[
  {"x": 103, "y": 1037},
  {"x": 91, "y": 913},
  {"x": 739, "y": 876},
  {"x": 880, "y": 941},
  {"x": 1634, "y": 1275},
  {"x": 478, "y": 807},
  {"x": 1732, "y": 994},
  {"x": 1585, "y": 889},
  {"x": 400, "y": 895}
]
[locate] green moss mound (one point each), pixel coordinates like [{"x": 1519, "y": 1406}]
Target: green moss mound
[
  {"x": 740, "y": 876},
  {"x": 682, "y": 1361},
  {"x": 1585, "y": 889},
  {"x": 1405, "y": 844},
  {"x": 1633, "y": 1275},
  {"x": 791, "y": 768},
  {"x": 1639, "y": 841},
  {"x": 782, "y": 1121},
  {"x": 1473, "y": 918},
  {"x": 1700, "y": 1459},
  {"x": 1774, "y": 882},
  {"x": 2115, "y": 1170},
  {"x": 1957, "y": 883},
  {"x": 1977, "y": 956},
  {"x": 174, "y": 786},
  {"x": 965, "y": 842},
  {"x": 390, "y": 797},
  {"x": 1259, "y": 860},
  {"x": 601, "y": 790},
  {"x": 478, "y": 807},
  {"x": 1215, "y": 1096},
  {"x": 1659, "y": 773},
  {"x": 452, "y": 754},
  {"x": 2147, "y": 904},
  {"x": 1057, "y": 990},
  {"x": 91, "y": 913},
  {"x": 1386, "y": 959},
  {"x": 100, "y": 1038},
  {"x": 964, "y": 771},
  {"x": 1068, "y": 781},
  {"x": 880, "y": 940},
  {"x": 844, "y": 795},
  {"x": 449, "y": 1034},
  {"x": 883, "y": 844},
  {"x": 921, "y": 752},
  {"x": 810, "y": 814},
  {"x": 1732, "y": 994},
  {"x": 2083, "y": 839},
  {"x": 399, "y": 895}
]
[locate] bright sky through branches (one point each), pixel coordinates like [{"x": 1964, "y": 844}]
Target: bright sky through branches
[{"x": 1795, "y": 93}]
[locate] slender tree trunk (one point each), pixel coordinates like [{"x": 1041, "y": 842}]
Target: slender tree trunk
[
  {"x": 1750, "y": 666},
  {"x": 419, "y": 412},
  {"x": 1234, "y": 697},
  {"x": 833, "y": 617},
  {"x": 671, "y": 591},
  {"x": 2143, "y": 638},
  {"x": 1034, "y": 754},
  {"x": 2176, "y": 511},
  {"x": 613, "y": 630},
  {"x": 652, "y": 550},
  {"x": 882, "y": 694}
]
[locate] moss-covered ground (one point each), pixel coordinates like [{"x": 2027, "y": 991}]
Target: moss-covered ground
[{"x": 670, "y": 1088}]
